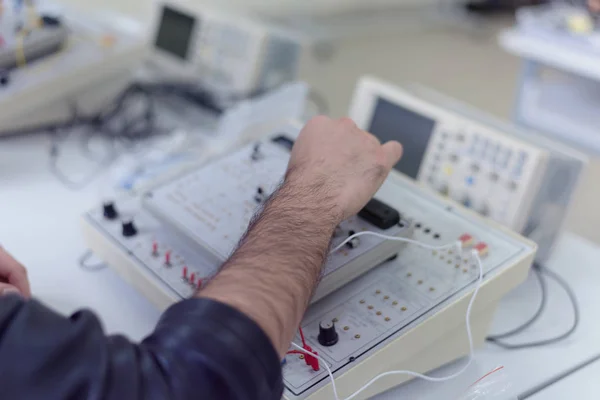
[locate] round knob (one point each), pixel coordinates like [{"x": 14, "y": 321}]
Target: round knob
[
  {"x": 109, "y": 210},
  {"x": 129, "y": 229},
  {"x": 4, "y": 78},
  {"x": 327, "y": 334}
]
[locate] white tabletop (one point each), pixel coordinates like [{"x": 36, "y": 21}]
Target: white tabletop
[{"x": 39, "y": 225}]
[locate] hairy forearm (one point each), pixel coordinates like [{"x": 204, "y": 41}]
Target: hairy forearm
[{"x": 272, "y": 274}]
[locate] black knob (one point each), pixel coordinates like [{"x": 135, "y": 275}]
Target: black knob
[
  {"x": 129, "y": 229},
  {"x": 255, "y": 152},
  {"x": 327, "y": 334},
  {"x": 109, "y": 210},
  {"x": 4, "y": 78}
]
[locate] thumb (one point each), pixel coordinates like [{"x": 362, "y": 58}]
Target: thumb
[
  {"x": 7, "y": 289},
  {"x": 393, "y": 152}
]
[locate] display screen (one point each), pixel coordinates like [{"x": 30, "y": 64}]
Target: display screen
[
  {"x": 175, "y": 32},
  {"x": 413, "y": 130}
]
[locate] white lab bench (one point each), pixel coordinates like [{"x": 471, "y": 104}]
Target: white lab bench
[{"x": 39, "y": 224}]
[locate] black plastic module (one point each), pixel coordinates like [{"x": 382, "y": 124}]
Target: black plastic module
[
  {"x": 380, "y": 214},
  {"x": 284, "y": 141}
]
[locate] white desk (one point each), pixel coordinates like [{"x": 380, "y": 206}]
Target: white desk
[{"x": 39, "y": 225}]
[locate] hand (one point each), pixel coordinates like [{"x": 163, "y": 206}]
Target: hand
[
  {"x": 13, "y": 276},
  {"x": 340, "y": 163},
  {"x": 594, "y": 5}
]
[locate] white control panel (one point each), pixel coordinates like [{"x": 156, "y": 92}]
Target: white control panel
[
  {"x": 476, "y": 165},
  {"x": 212, "y": 207},
  {"x": 407, "y": 313}
]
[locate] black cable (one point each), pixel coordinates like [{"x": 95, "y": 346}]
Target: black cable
[
  {"x": 121, "y": 125},
  {"x": 87, "y": 267},
  {"x": 576, "y": 316},
  {"x": 535, "y": 317}
]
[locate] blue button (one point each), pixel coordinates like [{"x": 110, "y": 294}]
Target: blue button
[
  {"x": 470, "y": 181},
  {"x": 523, "y": 157}
]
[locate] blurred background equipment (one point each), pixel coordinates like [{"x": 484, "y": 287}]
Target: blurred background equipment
[
  {"x": 226, "y": 53},
  {"x": 52, "y": 58},
  {"x": 559, "y": 89},
  {"x": 516, "y": 177}
]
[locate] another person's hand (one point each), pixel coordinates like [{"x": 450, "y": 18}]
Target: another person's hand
[
  {"x": 13, "y": 276},
  {"x": 341, "y": 164},
  {"x": 594, "y": 5}
]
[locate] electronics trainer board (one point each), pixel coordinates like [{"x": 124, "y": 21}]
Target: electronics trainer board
[{"x": 403, "y": 314}]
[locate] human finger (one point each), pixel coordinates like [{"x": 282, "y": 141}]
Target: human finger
[
  {"x": 393, "y": 153},
  {"x": 14, "y": 273}
]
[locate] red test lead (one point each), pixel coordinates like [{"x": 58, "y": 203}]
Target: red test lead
[
  {"x": 192, "y": 278},
  {"x": 185, "y": 273},
  {"x": 168, "y": 258},
  {"x": 154, "y": 248}
]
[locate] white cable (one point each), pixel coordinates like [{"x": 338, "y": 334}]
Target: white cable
[
  {"x": 475, "y": 255},
  {"x": 396, "y": 239}
]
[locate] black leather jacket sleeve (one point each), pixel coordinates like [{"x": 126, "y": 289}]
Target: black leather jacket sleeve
[{"x": 200, "y": 349}]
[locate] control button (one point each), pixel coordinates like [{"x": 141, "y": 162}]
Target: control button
[
  {"x": 512, "y": 185},
  {"x": 431, "y": 179},
  {"x": 109, "y": 211},
  {"x": 448, "y": 170},
  {"x": 518, "y": 171},
  {"x": 445, "y": 135},
  {"x": 484, "y": 210},
  {"x": 475, "y": 168},
  {"x": 327, "y": 334},
  {"x": 494, "y": 177},
  {"x": 454, "y": 158},
  {"x": 4, "y": 78},
  {"x": 507, "y": 158},
  {"x": 467, "y": 202},
  {"x": 460, "y": 137},
  {"x": 441, "y": 146},
  {"x": 437, "y": 157},
  {"x": 128, "y": 229},
  {"x": 256, "y": 152},
  {"x": 443, "y": 189},
  {"x": 482, "y": 249},
  {"x": 523, "y": 156},
  {"x": 470, "y": 181},
  {"x": 260, "y": 195},
  {"x": 466, "y": 240}
]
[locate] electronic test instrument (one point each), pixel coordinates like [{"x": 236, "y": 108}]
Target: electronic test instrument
[
  {"x": 228, "y": 54},
  {"x": 366, "y": 317},
  {"x": 518, "y": 178}
]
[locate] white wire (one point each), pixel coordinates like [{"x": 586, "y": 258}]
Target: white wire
[
  {"x": 396, "y": 239},
  {"x": 411, "y": 373}
]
